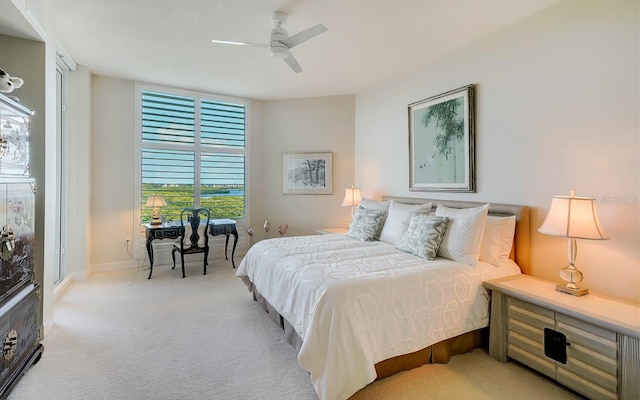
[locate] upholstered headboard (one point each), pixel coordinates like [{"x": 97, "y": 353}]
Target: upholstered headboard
[{"x": 520, "y": 252}]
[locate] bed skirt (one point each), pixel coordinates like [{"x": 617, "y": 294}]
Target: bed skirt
[{"x": 439, "y": 353}]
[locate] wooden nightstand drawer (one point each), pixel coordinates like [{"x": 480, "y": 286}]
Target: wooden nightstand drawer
[
  {"x": 525, "y": 336},
  {"x": 529, "y": 314},
  {"x": 583, "y": 335},
  {"x": 592, "y": 358}
]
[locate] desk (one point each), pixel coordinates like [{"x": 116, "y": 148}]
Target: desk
[
  {"x": 225, "y": 227},
  {"x": 173, "y": 231}
]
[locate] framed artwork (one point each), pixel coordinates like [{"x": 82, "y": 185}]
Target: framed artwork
[
  {"x": 441, "y": 142},
  {"x": 306, "y": 173}
]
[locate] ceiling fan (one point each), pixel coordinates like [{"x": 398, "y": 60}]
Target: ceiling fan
[{"x": 280, "y": 43}]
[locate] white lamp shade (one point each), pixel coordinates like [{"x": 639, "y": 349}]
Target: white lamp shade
[
  {"x": 352, "y": 197},
  {"x": 156, "y": 200},
  {"x": 573, "y": 217}
]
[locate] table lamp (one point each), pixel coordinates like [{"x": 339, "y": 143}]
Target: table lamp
[
  {"x": 352, "y": 198},
  {"x": 156, "y": 201},
  {"x": 574, "y": 218}
]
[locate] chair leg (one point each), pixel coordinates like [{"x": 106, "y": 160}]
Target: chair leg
[
  {"x": 173, "y": 256},
  {"x": 206, "y": 257},
  {"x": 182, "y": 259}
]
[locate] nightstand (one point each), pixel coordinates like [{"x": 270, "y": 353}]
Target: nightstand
[
  {"x": 590, "y": 344},
  {"x": 326, "y": 231}
]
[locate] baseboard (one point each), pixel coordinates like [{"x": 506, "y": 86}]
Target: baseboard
[
  {"x": 113, "y": 266},
  {"x": 61, "y": 287}
]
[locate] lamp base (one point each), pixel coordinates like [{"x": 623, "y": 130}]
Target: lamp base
[
  {"x": 156, "y": 221},
  {"x": 572, "y": 291}
]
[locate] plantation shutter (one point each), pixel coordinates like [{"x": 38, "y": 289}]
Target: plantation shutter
[
  {"x": 222, "y": 124},
  {"x": 167, "y": 118},
  {"x": 193, "y": 153}
]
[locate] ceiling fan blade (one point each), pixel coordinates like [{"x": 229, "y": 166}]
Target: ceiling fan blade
[
  {"x": 304, "y": 35},
  {"x": 291, "y": 61},
  {"x": 239, "y": 43}
]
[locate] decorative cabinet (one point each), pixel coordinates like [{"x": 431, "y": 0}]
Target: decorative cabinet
[
  {"x": 590, "y": 344},
  {"x": 20, "y": 296},
  {"x": 14, "y": 138},
  {"x": 16, "y": 236},
  {"x": 20, "y": 330}
]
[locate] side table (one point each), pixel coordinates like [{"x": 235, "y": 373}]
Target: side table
[{"x": 590, "y": 344}]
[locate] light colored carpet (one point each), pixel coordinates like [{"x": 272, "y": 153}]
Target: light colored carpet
[{"x": 121, "y": 336}]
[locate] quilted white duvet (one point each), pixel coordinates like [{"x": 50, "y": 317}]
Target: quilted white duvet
[{"x": 357, "y": 303}]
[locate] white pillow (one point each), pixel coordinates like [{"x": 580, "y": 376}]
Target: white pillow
[
  {"x": 398, "y": 220},
  {"x": 377, "y": 206},
  {"x": 498, "y": 238},
  {"x": 461, "y": 241}
]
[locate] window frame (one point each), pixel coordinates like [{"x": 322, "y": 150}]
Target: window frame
[
  {"x": 62, "y": 164},
  {"x": 197, "y": 148}
]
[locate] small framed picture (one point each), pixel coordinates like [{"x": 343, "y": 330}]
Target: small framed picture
[
  {"x": 441, "y": 142},
  {"x": 307, "y": 173}
]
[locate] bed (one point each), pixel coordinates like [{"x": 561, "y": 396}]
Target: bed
[{"x": 359, "y": 310}]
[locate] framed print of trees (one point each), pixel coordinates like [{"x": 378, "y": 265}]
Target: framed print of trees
[
  {"x": 306, "y": 173},
  {"x": 441, "y": 142}
]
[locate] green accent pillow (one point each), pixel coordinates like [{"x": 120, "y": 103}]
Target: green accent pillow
[
  {"x": 365, "y": 224},
  {"x": 424, "y": 235}
]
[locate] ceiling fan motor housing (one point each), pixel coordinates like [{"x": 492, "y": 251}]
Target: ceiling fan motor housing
[{"x": 277, "y": 48}]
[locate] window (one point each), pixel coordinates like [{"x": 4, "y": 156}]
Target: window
[{"x": 192, "y": 153}]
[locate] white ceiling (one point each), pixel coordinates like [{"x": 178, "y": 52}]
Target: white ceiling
[{"x": 368, "y": 41}]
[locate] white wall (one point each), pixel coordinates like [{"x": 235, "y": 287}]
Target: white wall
[
  {"x": 557, "y": 109},
  {"x": 112, "y": 168},
  {"x": 255, "y": 167},
  {"x": 322, "y": 124},
  {"x": 78, "y": 173}
]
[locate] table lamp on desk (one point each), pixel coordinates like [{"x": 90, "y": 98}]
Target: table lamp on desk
[{"x": 156, "y": 201}]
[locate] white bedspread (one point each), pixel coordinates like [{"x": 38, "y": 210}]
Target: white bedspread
[{"x": 357, "y": 303}]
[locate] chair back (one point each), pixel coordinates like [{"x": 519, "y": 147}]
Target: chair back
[{"x": 194, "y": 223}]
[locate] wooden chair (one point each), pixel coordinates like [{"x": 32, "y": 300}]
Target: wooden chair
[{"x": 190, "y": 235}]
